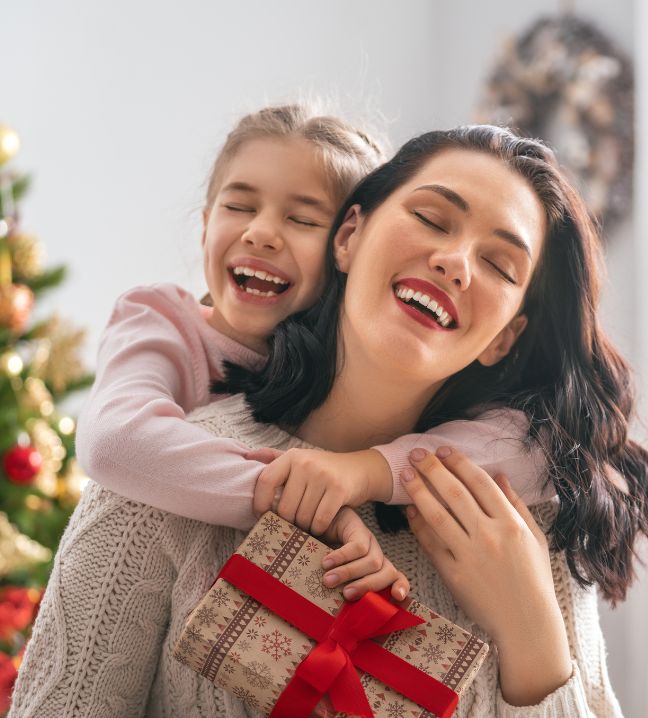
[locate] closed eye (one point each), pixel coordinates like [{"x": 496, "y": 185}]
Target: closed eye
[
  {"x": 304, "y": 221},
  {"x": 238, "y": 208},
  {"x": 501, "y": 272},
  {"x": 427, "y": 221}
]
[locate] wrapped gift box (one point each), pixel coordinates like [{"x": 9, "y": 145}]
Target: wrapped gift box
[{"x": 241, "y": 645}]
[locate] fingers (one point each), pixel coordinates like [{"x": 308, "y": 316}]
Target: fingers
[
  {"x": 264, "y": 455},
  {"x": 447, "y": 529},
  {"x": 273, "y": 476},
  {"x": 520, "y": 506},
  {"x": 386, "y": 576},
  {"x": 468, "y": 490},
  {"x": 438, "y": 553}
]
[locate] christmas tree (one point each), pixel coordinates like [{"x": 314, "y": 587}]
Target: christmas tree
[{"x": 40, "y": 481}]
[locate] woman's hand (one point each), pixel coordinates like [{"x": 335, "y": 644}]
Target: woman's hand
[
  {"x": 315, "y": 484},
  {"x": 494, "y": 559}
]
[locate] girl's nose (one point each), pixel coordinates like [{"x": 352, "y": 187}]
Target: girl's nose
[
  {"x": 262, "y": 233},
  {"x": 454, "y": 266}
]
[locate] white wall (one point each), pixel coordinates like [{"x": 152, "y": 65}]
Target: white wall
[{"x": 122, "y": 105}]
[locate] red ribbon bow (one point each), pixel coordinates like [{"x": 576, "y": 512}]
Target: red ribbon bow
[{"x": 343, "y": 643}]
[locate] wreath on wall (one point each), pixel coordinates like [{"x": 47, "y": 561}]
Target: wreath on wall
[{"x": 564, "y": 82}]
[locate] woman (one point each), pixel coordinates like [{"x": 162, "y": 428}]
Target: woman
[{"x": 124, "y": 567}]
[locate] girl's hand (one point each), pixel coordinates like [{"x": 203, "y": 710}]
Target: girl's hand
[
  {"x": 315, "y": 484},
  {"x": 494, "y": 559},
  {"x": 359, "y": 560}
]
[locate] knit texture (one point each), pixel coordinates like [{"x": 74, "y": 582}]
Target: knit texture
[{"x": 127, "y": 575}]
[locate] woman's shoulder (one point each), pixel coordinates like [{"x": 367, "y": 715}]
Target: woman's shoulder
[{"x": 232, "y": 417}]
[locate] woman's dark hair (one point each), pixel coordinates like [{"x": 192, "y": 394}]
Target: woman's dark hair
[{"x": 563, "y": 372}]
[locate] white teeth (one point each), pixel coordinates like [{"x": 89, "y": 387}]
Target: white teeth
[
  {"x": 259, "y": 293},
  {"x": 260, "y": 274},
  {"x": 408, "y": 295}
]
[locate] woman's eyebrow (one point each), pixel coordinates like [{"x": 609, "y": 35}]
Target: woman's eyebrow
[
  {"x": 461, "y": 203},
  {"x": 448, "y": 193}
]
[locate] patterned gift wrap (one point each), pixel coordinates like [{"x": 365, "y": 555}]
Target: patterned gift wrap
[{"x": 238, "y": 644}]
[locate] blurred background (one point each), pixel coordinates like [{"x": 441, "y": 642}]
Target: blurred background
[{"x": 120, "y": 108}]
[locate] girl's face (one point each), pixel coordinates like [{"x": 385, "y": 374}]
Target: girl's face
[
  {"x": 437, "y": 274},
  {"x": 264, "y": 238}
]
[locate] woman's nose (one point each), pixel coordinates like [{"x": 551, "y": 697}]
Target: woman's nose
[
  {"x": 453, "y": 266},
  {"x": 263, "y": 233}
]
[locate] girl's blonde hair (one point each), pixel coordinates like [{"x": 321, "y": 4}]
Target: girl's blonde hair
[{"x": 347, "y": 153}]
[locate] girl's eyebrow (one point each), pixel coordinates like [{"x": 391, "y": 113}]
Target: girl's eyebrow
[
  {"x": 461, "y": 203},
  {"x": 306, "y": 199}
]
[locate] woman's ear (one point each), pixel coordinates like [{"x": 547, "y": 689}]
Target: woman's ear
[
  {"x": 503, "y": 342},
  {"x": 344, "y": 241}
]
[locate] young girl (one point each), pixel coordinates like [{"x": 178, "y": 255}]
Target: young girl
[{"x": 271, "y": 199}]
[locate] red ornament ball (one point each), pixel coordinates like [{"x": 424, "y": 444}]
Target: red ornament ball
[{"x": 22, "y": 463}]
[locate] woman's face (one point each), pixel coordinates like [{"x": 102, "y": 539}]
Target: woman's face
[{"x": 463, "y": 237}]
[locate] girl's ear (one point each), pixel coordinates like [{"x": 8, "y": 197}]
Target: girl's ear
[
  {"x": 503, "y": 342},
  {"x": 345, "y": 238}
]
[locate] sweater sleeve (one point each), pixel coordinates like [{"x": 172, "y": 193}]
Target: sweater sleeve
[
  {"x": 587, "y": 693},
  {"x": 96, "y": 641},
  {"x": 156, "y": 358},
  {"x": 496, "y": 441}
]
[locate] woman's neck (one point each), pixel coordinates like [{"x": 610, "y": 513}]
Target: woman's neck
[{"x": 365, "y": 407}]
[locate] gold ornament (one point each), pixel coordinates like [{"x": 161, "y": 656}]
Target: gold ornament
[
  {"x": 16, "y": 301},
  {"x": 18, "y": 551},
  {"x": 49, "y": 445},
  {"x": 58, "y": 360},
  {"x": 71, "y": 485},
  {"x": 10, "y": 363},
  {"x": 28, "y": 255},
  {"x": 37, "y": 397},
  {"x": 9, "y": 144}
]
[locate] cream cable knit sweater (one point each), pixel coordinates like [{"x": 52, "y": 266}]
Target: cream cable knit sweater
[{"x": 126, "y": 576}]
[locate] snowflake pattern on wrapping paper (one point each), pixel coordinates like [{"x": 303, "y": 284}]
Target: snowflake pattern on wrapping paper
[
  {"x": 219, "y": 597},
  {"x": 258, "y": 675},
  {"x": 311, "y": 546},
  {"x": 228, "y": 667},
  {"x": 294, "y": 571},
  {"x": 258, "y": 543},
  {"x": 445, "y": 634},
  {"x": 271, "y": 524},
  {"x": 260, "y": 621},
  {"x": 303, "y": 559},
  {"x": 193, "y": 634},
  {"x": 396, "y": 710},
  {"x": 206, "y": 615},
  {"x": 252, "y": 634},
  {"x": 186, "y": 647},
  {"x": 246, "y": 696},
  {"x": 433, "y": 653},
  {"x": 276, "y": 645},
  {"x": 315, "y": 587}
]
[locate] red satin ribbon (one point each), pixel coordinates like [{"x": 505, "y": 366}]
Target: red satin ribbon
[{"x": 342, "y": 644}]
